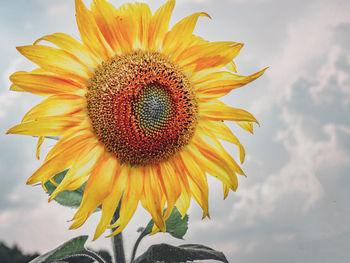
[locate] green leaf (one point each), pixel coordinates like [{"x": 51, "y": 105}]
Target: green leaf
[
  {"x": 65, "y": 198},
  {"x": 171, "y": 254},
  {"x": 175, "y": 225},
  {"x": 72, "y": 248}
]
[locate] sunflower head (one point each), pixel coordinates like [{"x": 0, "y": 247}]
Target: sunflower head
[
  {"x": 142, "y": 107},
  {"x": 137, "y": 109}
]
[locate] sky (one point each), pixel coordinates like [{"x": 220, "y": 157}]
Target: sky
[{"x": 293, "y": 206}]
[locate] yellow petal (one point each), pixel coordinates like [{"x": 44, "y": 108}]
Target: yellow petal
[
  {"x": 60, "y": 161},
  {"x": 207, "y": 143},
  {"x": 16, "y": 88},
  {"x": 111, "y": 202},
  {"x": 46, "y": 126},
  {"x": 142, "y": 15},
  {"x": 131, "y": 197},
  {"x": 127, "y": 25},
  {"x": 231, "y": 66},
  {"x": 152, "y": 197},
  {"x": 107, "y": 21},
  {"x": 225, "y": 190},
  {"x": 185, "y": 187},
  {"x": 44, "y": 84},
  {"x": 80, "y": 170},
  {"x": 214, "y": 158},
  {"x": 222, "y": 132},
  {"x": 56, "y": 61},
  {"x": 210, "y": 55},
  {"x": 155, "y": 230},
  {"x": 159, "y": 25},
  {"x": 56, "y": 105},
  {"x": 53, "y": 182},
  {"x": 38, "y": 147},
  {"x": 197, "y": 179},
  {"x": 53, "y": 167},
  {"x": 90, "y": 33},
  {"x": 179, "y": 37},
  {"x": 217, "y": 111},
  {"x": 217, "y": 84},
  {"x": 170, "y": 184},
  {"x": 133, "y": 21},
  {"x": 183, "y": 203},
  {"x": 247, "y": 125},
  {"x": 197, "y": 40},
  {"x": 215, "y": 165},
  {"x": 72, "y": 46},
  {"x": 98, "y": 187},
  {"x": 72, "y": 138}
]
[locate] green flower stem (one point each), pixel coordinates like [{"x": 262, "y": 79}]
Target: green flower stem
[
  {"x": 142, "y": 235},
  {"x": 118, "y": 246}
]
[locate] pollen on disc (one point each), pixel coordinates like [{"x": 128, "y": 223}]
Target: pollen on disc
[{"x": 142, "y": 107}]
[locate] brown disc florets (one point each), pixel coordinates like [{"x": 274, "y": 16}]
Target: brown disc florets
[{"x": 142, "y": 107}]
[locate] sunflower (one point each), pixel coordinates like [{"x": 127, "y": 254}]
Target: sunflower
[{"x": 137, "y": 109}]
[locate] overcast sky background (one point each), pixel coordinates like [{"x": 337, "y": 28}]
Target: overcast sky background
[{"x": 294, "y": 204}]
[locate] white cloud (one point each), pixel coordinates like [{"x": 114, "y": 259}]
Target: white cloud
[
  {"x": 309, "y": 39},
  {"x": 8, "y": 98},
  {"x": 249, "y": 1},
  {"x": 295, "y": 186},
  {"x": 332, "y": 81},
  {"x": 59, "y": 9},
  {"x": 42, "y": 227},
  {"x": 196, "y": 1},
  {"x": 291, "y": 207}
]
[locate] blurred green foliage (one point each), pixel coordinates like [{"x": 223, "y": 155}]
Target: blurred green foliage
[{"x": 15, "y": 255}]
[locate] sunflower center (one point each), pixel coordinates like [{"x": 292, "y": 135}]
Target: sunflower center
[
  {"x": 153, "y": 108},
  {"x": 142, "y": 107}
]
